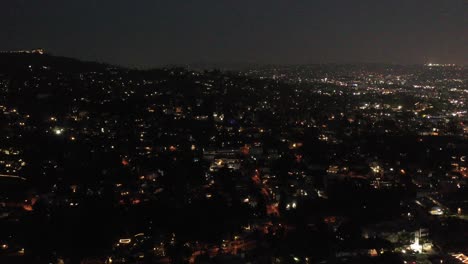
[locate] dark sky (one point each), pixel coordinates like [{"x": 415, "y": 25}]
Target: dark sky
[{"x": 153, "y": 32}]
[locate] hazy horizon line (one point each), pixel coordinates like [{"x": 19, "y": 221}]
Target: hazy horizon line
[{"x": 230, "y": 63}]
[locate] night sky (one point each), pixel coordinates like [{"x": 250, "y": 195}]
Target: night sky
[{"x": 154, "y": 33}]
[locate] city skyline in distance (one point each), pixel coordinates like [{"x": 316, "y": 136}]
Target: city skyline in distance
[{"x": 229, "y": 66}]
